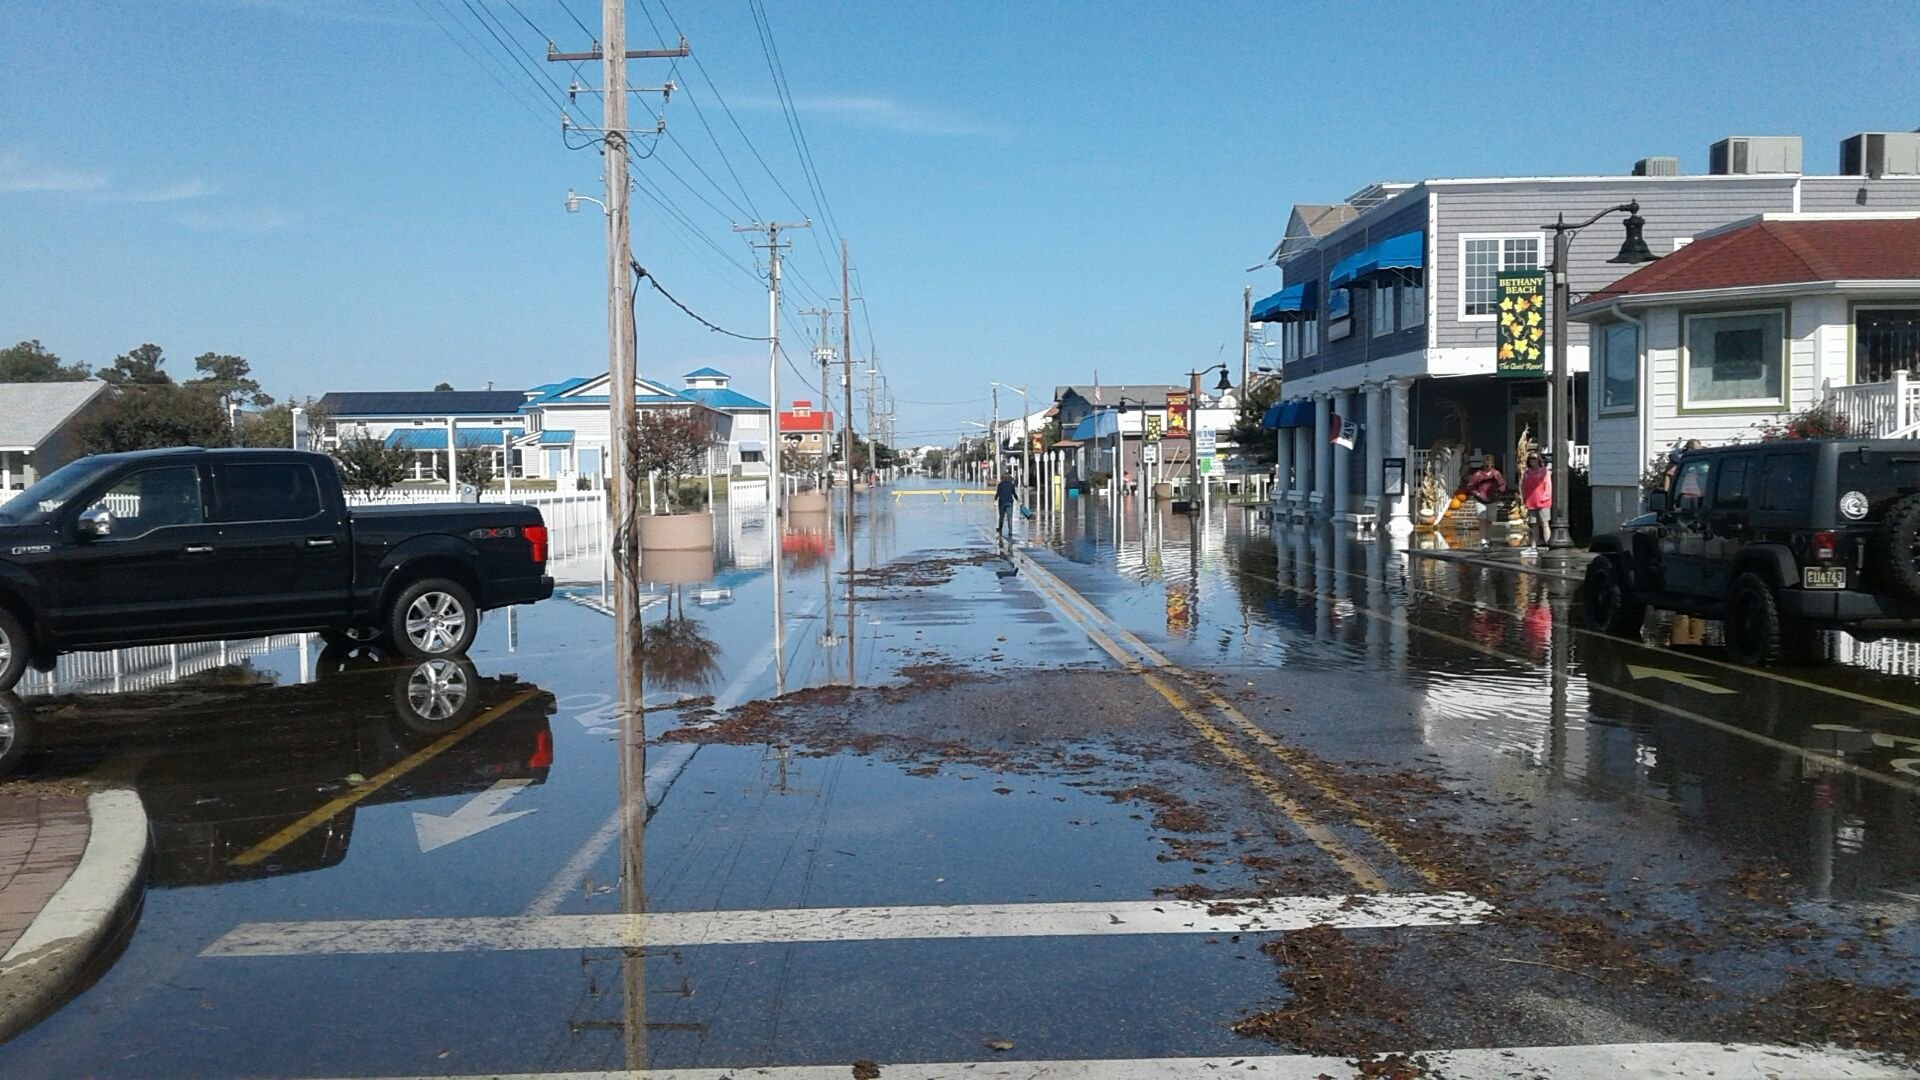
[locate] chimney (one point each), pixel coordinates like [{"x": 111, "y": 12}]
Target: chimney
[{"x": 1657, "y": 166}]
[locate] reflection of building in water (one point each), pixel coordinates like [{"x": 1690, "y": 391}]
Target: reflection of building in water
[{"x": 150, "y": 666}]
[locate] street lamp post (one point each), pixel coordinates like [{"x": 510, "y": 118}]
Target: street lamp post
[
  {"x": 1026, "y": 434},
  {"x": 1193, "y": 414},
  {"x": 1633, "y": 250}
]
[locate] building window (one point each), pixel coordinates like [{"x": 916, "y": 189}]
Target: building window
[
  {"x": 1735, "y": 360},
  {"x": 1309, "y": 336},
  {"x": 1481, "y": 259},
  {"x": 1885, "y": 340},
  {"x": 1619, "y": 369},
  {"x": 1380, "y": 308},
  {"x": 1413, "y": 303},
  {"x": 1339, "y": 314}
]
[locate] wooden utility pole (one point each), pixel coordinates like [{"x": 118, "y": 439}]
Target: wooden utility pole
[
  {"x": 774, "y": 449},
  {"x": 846, "y": 381}
]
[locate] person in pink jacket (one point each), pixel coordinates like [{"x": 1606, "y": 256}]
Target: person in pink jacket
[{"x": 1536, "y": 493}]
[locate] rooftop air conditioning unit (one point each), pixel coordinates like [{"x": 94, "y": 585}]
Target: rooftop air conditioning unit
[
  {"x": 1753, "y": 155},
  {"x": 1874, "y": 154},
  {"x": 1657, "y": 166}
]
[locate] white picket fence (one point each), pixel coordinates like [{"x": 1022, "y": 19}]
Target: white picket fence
[
  {"x": 576, "y": 521},
  {"x": 150, "y": 666}
]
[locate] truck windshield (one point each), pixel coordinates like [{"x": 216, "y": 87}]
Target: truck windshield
[{"x": 48, "y": 494}]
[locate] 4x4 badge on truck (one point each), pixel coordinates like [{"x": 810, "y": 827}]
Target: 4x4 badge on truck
[{"x": 33, "y": 549}]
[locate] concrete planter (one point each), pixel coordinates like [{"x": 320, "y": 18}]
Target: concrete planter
[
  {"x": 1163, "y": 491},
  {"x": 807, "y": 502},
  {"x": 676, "y": 567},
  {"x": 676, "y": 532}
]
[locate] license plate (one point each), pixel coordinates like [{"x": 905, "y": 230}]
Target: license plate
[{"x": 1824, "y": 577}]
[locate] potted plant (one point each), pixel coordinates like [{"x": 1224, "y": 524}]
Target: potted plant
[{"x": 670, "y": 444}]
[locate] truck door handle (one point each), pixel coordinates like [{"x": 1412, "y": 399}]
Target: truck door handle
[
  {"x": 319, "y": 542},
  {"x": 199, "y": 549}
]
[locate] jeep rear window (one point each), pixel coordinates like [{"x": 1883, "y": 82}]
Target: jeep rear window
[
  {"x": 1786, "y": 482},
  {"x": 1880, "y": 475}
]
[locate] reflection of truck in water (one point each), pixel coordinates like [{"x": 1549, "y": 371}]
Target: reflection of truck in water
[{"x": 221, "y": 768}]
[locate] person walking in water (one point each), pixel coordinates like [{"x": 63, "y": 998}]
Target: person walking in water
[
  {"x": 1536, "y": 494},
  {"x": 1003, "y": 494},
  {"x": 1487, "y": 487}
]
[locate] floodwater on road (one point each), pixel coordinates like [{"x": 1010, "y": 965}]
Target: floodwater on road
[{"x": 1130, "y": 785}]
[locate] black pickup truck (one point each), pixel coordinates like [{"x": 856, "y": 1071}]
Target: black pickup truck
[{"x": 194, "y": 545}]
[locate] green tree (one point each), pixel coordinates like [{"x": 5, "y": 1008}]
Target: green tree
[
  {"x": 138, "y": 367},
  {"x": 673, "y": 443},
  {"x": 273, "y": 426},
  {"x": 442, "y": 386},
  {"x": 229, "y": 379},
  {"x": 368, "y": 466},
  {"x": 150, "y": 417},
  {"x": 30, "y": 361},
  {"x": 1257, "y": 444},
  {"x": 475, "y": 462},
  {"x": 934, "y": 459}
]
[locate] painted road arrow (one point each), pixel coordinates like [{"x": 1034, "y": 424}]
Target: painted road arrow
[
  {"x": 477, "y": 816},
  {"x": 1680, "y": 678}
]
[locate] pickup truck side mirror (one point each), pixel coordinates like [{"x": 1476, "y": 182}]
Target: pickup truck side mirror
[
  {"x": 1656, "y": 502},
  {"x": 95, "y": 522}
]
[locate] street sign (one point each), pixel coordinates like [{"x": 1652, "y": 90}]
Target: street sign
[
  {"x": 1150, "y": 453},
  {"x": 1204, "y": 442}
]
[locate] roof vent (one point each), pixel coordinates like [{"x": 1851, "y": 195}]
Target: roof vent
[
  {"x": 1874, "y": 154},
  {"x": 1657, "y": 166},
  {"x": 1753, "y": 155}
]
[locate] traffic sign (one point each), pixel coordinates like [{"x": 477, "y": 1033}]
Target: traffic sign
[{"x": 1150, "y": 453}]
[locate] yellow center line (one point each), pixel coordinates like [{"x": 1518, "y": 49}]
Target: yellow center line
[
  {"x": 393, "y": 772},
  {"x": 1343, "y": 856},
  {"x": 1295, "y": 762}
]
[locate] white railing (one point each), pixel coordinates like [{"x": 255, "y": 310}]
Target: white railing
[
  {"x": 1887, "y": 410},
  {"x": 148, "y": 666},
  {"x": 576, "y": 520}
]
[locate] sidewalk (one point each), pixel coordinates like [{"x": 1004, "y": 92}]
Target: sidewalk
[
  {"x": 1567, "y": 564},
  {"x": 70, "y": 873}
]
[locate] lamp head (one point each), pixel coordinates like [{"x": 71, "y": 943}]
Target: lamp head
[
  {"x": 1634, "y": 249},
  {"x": 1225, "y": 383},
  {"x": 573, "y": 202}
]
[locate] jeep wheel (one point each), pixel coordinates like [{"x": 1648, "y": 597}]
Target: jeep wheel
[
  {"x": 1756, "y": 633},
  {"x": 1895, "y": 552},
  {"x": 14, "y": 648},
  {"x": 1607, "y": 600}
]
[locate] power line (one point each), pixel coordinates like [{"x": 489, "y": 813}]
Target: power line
[
  {"x": 591, "y": 35},
  {"x": 518, "y": 96},
  {"x": 538, "y": 84},
  {"x": 662, "y": 290}
]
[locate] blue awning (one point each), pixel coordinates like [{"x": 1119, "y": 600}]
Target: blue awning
[
  {"x": 1394, "y": 254},
  {"x": 1291, "y": 414},
  {"x": 1299, "y": 301},
  {"x": 555, "y": 437},
  {"x": 1101, "y": 425},
  {"x": 1271, "y": 418}
]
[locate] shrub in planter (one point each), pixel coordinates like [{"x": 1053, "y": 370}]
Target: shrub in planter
[{"x": 672, "y": 443}]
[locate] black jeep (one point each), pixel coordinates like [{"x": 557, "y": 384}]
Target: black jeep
[{"x": 1777, "y": 539}]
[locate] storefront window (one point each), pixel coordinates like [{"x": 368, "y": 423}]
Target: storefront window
[{"x": 1735, "y": 360}]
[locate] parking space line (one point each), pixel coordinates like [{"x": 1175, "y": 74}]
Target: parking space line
[
  {"x": 1725, "y": 1061},
  {"x": 1824, "y": 760},
  {"x": 393, "y": 772},
  {"x": 686, "y": 929},
  {"x": 1084, "y": 613}
]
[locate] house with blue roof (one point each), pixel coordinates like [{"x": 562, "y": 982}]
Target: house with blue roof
[
  {"x": 425, "y": 421},
  {"x": 568, "y": 423}
]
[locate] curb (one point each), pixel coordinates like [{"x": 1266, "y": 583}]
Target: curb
[{"x": 47, "y": 963}]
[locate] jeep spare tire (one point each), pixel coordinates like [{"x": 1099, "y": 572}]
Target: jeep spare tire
[{"x": 1895, "y": 553}]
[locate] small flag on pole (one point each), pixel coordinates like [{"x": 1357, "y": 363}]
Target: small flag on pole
[{"x": 1344, "y": 432}]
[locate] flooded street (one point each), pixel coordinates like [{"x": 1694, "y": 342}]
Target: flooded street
[{"x": 1131, "y": 794}]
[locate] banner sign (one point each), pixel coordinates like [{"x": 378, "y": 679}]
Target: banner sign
[
  {"x": 1520, "y": 343},
  {"x": 1037, "y": 441},
  {"x": 1176, "y": 414},
  {"x": 1153, "y": 428}
]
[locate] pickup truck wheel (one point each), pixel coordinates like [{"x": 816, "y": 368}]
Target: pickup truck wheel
[
  {"x": 1756, "y": 634},
  {"x": 15, "y": 647},
  {"x": 1607, "y": 601},
  {"x": 433, "y": 617}
]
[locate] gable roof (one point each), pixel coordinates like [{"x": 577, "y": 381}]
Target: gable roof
[
  {"x": 592, "y": 390},
  {"x": 34, "y": 411},
  {"x": 815, "y": 420},
  {"x": 1779, "y": 251},
  {"x": 716, "y": 398},
  {"x": 344, "y": 404},
  {"x": 1309, "y": 222},
  {"x": 707, "y": 373}
]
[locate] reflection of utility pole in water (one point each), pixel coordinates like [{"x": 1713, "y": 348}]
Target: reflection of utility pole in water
[
  {"x": 774, "y": 534},
  {"x": 629, "y": 697}
]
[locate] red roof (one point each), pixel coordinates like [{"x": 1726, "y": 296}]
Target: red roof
[
  {"x": 1781, "y": 252},
  {"x": 791, "y": 420}
]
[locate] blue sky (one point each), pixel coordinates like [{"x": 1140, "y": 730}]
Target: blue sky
[{"x": 341, "y": 193}]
